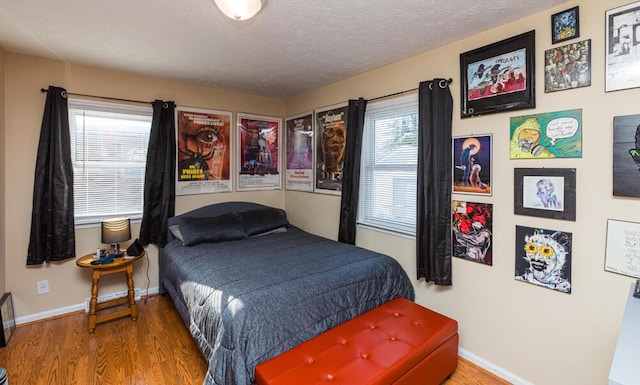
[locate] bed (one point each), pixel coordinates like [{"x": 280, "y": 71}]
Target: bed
[{"x": 250, "y": 292}]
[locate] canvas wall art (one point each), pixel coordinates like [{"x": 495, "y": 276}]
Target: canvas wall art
[
  {"x": 472, "y": 164},
  {"x": 565, "y": 25},
  {"x": 472, "y": 226},
  {"x": 547, "y": 135},
  {"x": 568, "y": 67},
  {"x": 543, "y": 258},
  {"x": 626, "y": 155}
]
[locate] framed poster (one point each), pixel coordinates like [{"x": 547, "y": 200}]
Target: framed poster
[
  {"x": 543, "y": 258},
  {"x": 472, "y": 226},
  {"x": 565, "y": 25},
  {"x": 548, "y": 135},
  {"x": 259, "y": 152},
  {"x": 499, "y": 77},
  {"x": 622, "y": 27},
  {"x": 299, "y": 156},
  {"x": 204, "y": 151},
  {"x": 626, "y": 155},
  {"x": 472, "y": 164},
  {"x": 8, "y": 319},
  {"x": 568, "y": 67},
  {"x": 622, "y": 254},
  {"x": 545, "y": 192},
  {"x": 331, "y": 136}
]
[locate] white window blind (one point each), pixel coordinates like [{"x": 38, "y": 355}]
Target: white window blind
[
  {"x": 109, "y": 151},
  {"x": 389, "y": 162}
]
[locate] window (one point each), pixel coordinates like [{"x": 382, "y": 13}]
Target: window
[
  {"x": 389, "y": 163},
  {"x": 108, "y": 150}
]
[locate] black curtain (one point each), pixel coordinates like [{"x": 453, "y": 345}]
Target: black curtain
[
  {"x": 159, "y": 180},
  {"x": 52, "y": 225},
  {"x": 351, "y": 171},
  {"x": 433, "y": 228}
]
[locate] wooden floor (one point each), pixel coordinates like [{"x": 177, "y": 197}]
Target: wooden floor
[{"x": 156, "y": 349}]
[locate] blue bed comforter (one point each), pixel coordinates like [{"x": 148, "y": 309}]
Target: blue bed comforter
[{"x": 246, "y": 301}]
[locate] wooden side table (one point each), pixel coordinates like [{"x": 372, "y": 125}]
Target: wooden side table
[{"x": 119, "y": 265}]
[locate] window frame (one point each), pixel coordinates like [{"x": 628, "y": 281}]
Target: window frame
[
  {"x": 82, "y": 158},
  {"x": 397, "y": 107}
]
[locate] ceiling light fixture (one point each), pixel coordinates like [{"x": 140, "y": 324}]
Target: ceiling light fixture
[{"x": 240, "y": 9}]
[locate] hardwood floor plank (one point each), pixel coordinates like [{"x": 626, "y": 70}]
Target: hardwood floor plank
[{"x": 157, "y": 349}]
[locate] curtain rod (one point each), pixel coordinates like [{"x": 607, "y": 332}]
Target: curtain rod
[
  {"x": 448, "y": 81},
  {"x": 101, "y": 97}
]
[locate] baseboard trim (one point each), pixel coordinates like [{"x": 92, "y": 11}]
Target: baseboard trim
[
  {"x": 76, "y": 308},
  {"x": 493, "y": 368}
]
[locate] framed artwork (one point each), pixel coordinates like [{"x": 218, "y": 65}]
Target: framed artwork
[
  {"x": 499, "y": 77},
  {"x": 259, "y": 152},
  {"x": 626, "y": 155},
  {"x": 555, "y": 134},
  {"x": 299, "y": 156},
  {"x": 622, "y": 254},
  {"x": 8, "y": 320},
  {"x": 543, "y": 258},
  {"x": 472, "y": 164},
  {"x": 568, "y": 67},
  {"x": 622, "y": 27},
  {"x": 204, "y": 151},
  {"x": 565, "y": 25},
  {"x": 545, "y": 192},
  {"x": 472, "y": 227},
  {"x": 331, "y": 137}
]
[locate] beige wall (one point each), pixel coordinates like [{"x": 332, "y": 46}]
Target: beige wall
[
  {"x": 3, "y": 221},
  {"x": 539, "y": 335},
  {"x": 536, "y": 334},
  {"x": 24, "y": 77}
]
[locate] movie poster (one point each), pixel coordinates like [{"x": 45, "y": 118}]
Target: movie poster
[
  {"x": 258, "y": 152},
  {"x": 331, "y": 137},
  {"x": 204, "y": 151},
  {"x": 472, "y": 226},
  {"x": 299, "y": 175}
]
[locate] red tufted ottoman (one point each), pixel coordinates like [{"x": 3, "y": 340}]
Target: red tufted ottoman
[{"x": 398, "y": 342}]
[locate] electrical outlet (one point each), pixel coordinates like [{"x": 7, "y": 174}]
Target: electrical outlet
[{"x": 43, "y": 287}]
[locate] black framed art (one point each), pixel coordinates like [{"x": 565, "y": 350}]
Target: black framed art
[
  {"x": 565, "y": 25},
  {"x": 545, "y": 192},
  {"x": 498, "y": 77},
  {"x": 568, "y": 66},
  {"x": 8, "y": 320},
  {"x": 623, "y": 45}
]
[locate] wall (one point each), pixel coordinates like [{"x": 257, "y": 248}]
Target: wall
[
  {"x": 3, "y": 286},
  {"x": 24, "y": 77},
  {"x": 534, "y": 334}
]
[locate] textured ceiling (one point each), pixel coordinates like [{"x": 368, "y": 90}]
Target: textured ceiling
[{"x": 290, "y": 47}]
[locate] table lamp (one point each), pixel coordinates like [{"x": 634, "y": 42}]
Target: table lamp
[{"x": 114, "y": 231}]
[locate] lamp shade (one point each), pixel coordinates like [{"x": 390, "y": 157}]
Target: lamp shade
[
  {"x": 116, "y": 230},
  {"x": 240, "y": 9}
]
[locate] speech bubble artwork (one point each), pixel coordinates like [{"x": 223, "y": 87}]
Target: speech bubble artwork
[{"x": 561, "y": 128}]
